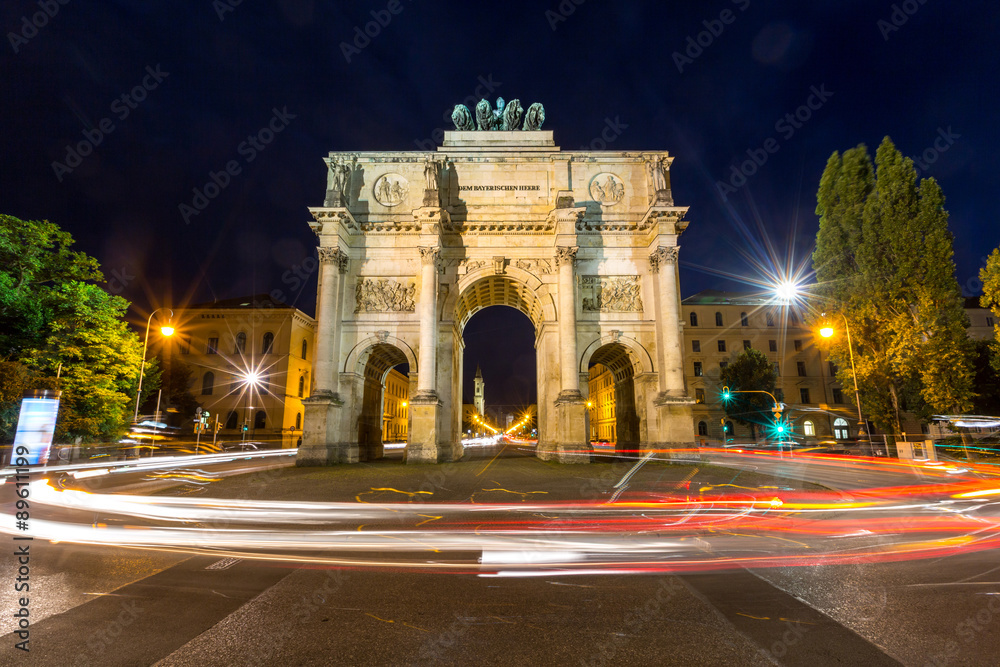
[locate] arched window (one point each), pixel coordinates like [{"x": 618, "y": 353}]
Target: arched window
[
  {"x": 231, "y": 420},
  {"x": 694, "y": 319},
  {"x": 298, "y": 421},
  {"x": 770, "y": 319},
  {"x": 268, "y": 345},
  {"x": 305, "y": 348},
  {"x": 808, "y": 428},
  {"x": 302, "y": 386},
  {"x": 702, "y": 428},
  {"x": 260, "y": 419},
  {"x": 241, "y": 343},
  {"x": 207, "y": 383},
  {"x": 743, "y": 320},
  {"x": 840, "y": 431},
  {"x": 718, "y": 319}
]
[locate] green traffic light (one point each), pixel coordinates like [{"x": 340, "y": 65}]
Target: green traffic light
[{"x": 725, "y": 394}]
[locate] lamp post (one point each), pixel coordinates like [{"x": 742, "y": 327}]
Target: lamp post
[
  {"x": 827, "y": 332},
  {"x": 166, "y": 331}
]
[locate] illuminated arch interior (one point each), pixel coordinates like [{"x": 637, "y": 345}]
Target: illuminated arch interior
[
  {"x": 498, "y": 291},
  {"x": 379, "y": 359},
  {"x": 617, "y": 358}
]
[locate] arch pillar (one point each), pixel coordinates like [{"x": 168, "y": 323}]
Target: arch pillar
[
  {"x": 320, "y": 444},
  {"x": 427, "y": 434}
]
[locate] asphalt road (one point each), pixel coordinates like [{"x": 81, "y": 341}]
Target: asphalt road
[{"x": 115, "y": 606}]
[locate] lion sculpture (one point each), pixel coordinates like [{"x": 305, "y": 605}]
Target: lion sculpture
[{"x": 462, "y": 118}]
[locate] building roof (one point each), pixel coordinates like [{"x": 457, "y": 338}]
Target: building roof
[
  {"x": 246, "y": 302},
  {"x": 716, "y": 297}
]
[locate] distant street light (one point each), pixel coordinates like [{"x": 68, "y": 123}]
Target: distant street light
[
  {"x": 167, "y": 331},
  {"x": 827, "y": 332}
]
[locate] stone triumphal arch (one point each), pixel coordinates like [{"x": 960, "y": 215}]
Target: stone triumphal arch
[{"x": 412, "y": 244}]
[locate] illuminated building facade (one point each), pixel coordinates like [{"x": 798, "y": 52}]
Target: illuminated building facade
[
  {"x": 252, "y": 364},
  {"x": 601, "y": 404},
  {"x": 396, "y": 397},
  {"x": 479, "y": 400}
]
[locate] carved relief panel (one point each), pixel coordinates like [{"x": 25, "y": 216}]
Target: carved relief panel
[
  {"x": 610, "y": 294},
  {"x": 384, "y": 295}
]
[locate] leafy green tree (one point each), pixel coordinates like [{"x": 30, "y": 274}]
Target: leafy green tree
[
  {"x": 62, "y": 331},
  {"x": 884, "y": 259},
  {"x": 990, "y": 276},
  {"x": 177, "y": 402},
  {"x": 750, "y": 371}
]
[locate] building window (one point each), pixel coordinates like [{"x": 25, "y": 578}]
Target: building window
[
  {"x": 262, "y": 385},
  {"x": 777, "y": 372},
  {"x": 722, "y": 345},
  {"x": 241, "y": 343},
  {"x": 780, "y": 395},
  {"x": 694, "y": 319},
  {"x": 746, "y": 345},
  {"x": 305, "y": 348},
  {"x": 770, "y": 319},
  {"x": 804, "y": 395},
  {"x": 833, "y": 369},
  {"x": 260, "y": 419},
  {"x": 838, "y": 396},
  {"x": 702, "y": 428},
  {"x": 743, "y": 320},
  {"x": 302, "y": 386},
  {"x": 696, "y": 346},
  {"x": 298, "y": 421},
  {"x": 213, "y": 346},
  {"x": 989, "y": 321},
  {"x": 207, "y": 383},
  {"x": 267, "y": 347},
  {"x": 231, "y": 420},
  {"x": 772, "y": 345},
  {"x": 800, "y": 366},
  {"x": 798, "y": 345},
  {"x": 699, "y": 395},
  {"x": 697, "y": 369},
  {"x": 840, "y": 429},
  {"x": 185, "y": 346},
  {"x": 722, "y": 365},
  {"x": 808, "y": 428},
  {"x": 718, "y": 319}
]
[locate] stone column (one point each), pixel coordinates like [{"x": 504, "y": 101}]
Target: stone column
[
  {"x": 427, "y": 312},
  {"x": 426, "y": 440},
  {"x": 570, "y": 440},
  {"x": 569, "y": 376},
  {"x": 333, "y": 262},
  {"x": 664, "y": 263},
  {"x": 320, "y": 442},
  {"x": 676, "y": 425}
]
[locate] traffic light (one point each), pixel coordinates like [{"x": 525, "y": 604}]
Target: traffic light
[
  {"x": 245, "y": 428},
  {"x": 778, "y": 407},
  {"x": 205, "y": 414},
  {"x": 725, "y": 394}
]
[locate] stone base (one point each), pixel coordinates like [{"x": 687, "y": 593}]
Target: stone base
[
  {"x": 319, "y": 435},
  {"x": 571, "y": 444},
  {"x": 676, "y": 425},
  {"x": 424, "y": 444}
]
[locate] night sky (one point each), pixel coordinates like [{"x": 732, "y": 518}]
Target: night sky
[{"x": 621, "y": 76}]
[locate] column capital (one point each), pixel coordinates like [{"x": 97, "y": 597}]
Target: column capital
[
  {"x": 663, "y": 255},
  {"x": 430, "y": 256},
  {"x": 333, "y": 255},
  {"x": 566, "y": 255}
]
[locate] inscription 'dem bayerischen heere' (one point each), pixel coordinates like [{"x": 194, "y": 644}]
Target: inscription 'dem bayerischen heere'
[{"x": 479, "y": 188}]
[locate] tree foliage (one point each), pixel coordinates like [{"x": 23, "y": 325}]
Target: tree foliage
[
  {"x": 884, "y": 260},
  {"x": 990, "y": 276},
  {"x": 60, "y": 330},
  {"x": 750, "y": 371}
]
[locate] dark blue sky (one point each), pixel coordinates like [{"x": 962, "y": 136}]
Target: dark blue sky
[{"x": 220, "y": 79}]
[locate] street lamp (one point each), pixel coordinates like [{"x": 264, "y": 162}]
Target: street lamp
[
  {"x": 827, "y": 332},
  {"x": 166, "y": 331}
]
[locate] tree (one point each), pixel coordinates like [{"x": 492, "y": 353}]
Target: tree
[
  {"x": 883, "y": 259},
  {"x": 177, "y": 402},
  {"x": 990, "y": 276},
  {"x": 750, "y": 371},
  {"x": 64, "y": 332}
]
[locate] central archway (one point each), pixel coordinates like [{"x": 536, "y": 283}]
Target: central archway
[{"x": 523, "y": 292}]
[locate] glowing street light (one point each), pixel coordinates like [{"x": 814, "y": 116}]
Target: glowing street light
[
  {"x": 827, "y": 332},
  {"x": 786, "y": 290},
  {"x": 167, "y": 330}
]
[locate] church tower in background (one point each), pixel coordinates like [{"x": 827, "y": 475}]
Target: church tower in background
[{"x": 480, "y": 398}]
